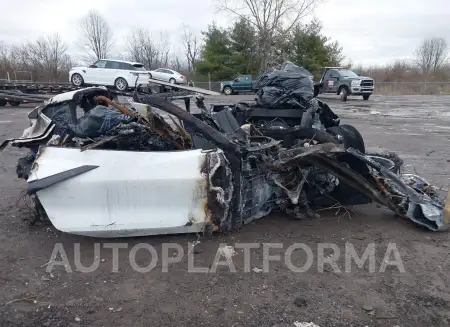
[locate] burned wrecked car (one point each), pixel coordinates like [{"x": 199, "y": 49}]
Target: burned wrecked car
[{"x": 100, "y": 168}]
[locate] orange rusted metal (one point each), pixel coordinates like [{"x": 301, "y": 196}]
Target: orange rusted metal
[
  {"x": 114, "y": 104},
  {"x": 380, "y": 185},
  {"x": 163, "y": 132}
]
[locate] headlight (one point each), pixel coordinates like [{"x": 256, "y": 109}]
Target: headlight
[{"x": 356, "y": 83}]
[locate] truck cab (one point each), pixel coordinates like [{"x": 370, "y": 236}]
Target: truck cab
[
  {"x": 344, "y": 82},
  {"x": 242, "y": 83}
]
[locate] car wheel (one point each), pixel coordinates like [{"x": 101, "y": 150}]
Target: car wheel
[
  {"x": 14, "y": 103},
  {"x": 227, "y": 90},
  {"x": 343, "y": 93},
  {"x": 121, "y": 84},
  {"x": 77, "y": 79},
  {"x": 351, "y": 137},
  {"x": 172, "y": 81},
  {"x": 366, "y": 97},
  {"x": 3, "y": 102}
]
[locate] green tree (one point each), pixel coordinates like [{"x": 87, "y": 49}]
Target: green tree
[
  {"x": 271, "y": 19},
  {"x": 309, "y": 48},
  {"x": 237, "y": 50},
  {"x": 244, "y": 48},
  {"x": 216, "y": 54}
]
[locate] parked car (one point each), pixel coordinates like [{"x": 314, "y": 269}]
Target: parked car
[
  {"x": 242, "y": 83},
  {"x": 168, "y": 75},
  {"x": 344, "y": 82},
  {"x": 107, "y": 72}
]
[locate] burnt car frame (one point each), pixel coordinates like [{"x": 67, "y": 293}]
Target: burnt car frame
[{"x": 216, "y": 170}]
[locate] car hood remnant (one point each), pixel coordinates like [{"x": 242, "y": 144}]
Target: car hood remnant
[{"x": 154, "y": 168}]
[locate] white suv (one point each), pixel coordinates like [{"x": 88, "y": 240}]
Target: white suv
[{"x": 108, "y": 72}]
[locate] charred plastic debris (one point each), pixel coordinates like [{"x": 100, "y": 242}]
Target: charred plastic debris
[{"x": 287, "y": 152}]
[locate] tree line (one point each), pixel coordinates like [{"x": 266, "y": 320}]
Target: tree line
[{"x": 264, "y": 33}]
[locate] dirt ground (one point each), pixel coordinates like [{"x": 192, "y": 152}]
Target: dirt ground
[{"x": 417, "y": 127}]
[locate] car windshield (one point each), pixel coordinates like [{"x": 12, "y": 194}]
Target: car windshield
[
  {"x": 139, "y": 67},
  {"x": 347, "y": 73}
]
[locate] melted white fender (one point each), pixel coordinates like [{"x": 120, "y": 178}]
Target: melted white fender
[{"x": 129, "y": 194}]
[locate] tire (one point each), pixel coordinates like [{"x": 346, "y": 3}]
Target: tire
[
  {"x": 227, "y": 90},
  {"x": 121, "y": 84},
  {"x": 150, "y": 76},
  {"x": 172, "y": 81},
  {"x": 343, "y": 93},
  {"x": 77, "y": 79},
  {"x": 3, "y": 102},
  {"x": 352, "y": 138},
  {"x": 14, "y": 103},
  {"x": 366, "y": 97}
]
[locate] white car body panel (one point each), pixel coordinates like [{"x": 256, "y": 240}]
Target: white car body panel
[
  {"x": 155, "y": 74},
  {"x": 68, "y": 95},
  {"x": 104, "y": 76},
  {"x": 161, "y": 193}
]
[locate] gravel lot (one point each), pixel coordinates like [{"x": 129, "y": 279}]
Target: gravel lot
[{"x": 417, "y": 127}]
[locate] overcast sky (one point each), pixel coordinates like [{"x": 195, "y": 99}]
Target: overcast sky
[{"x": 371, "y": 32}]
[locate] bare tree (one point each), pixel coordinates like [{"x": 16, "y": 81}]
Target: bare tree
[
  {"x": 163, "y": 47},
  {"x": 191, "y": 47},
  {"x": 49, "y": 54},
  {"x": 270, "y": 18},
  {"x": 6, "y": 62},
  {"x": 142, "y": 48},
  {"x": 431, "y": 55},
  {"x": 96, "y": 36},
  {"x": 175, "y": 63}
]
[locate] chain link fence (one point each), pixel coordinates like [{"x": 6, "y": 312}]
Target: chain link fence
[
  {"x": 212, "y": 86},
  {"x": 411, "y": 88},
  {"x": 385, "y": 88}
]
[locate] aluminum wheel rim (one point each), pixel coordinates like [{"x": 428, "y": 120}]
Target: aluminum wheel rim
[
  {"x": 227, "y": 91},
  {"x": 76, "y": 80},
  {"x": 120, "y": 84},
  {"x": 172, "y": 81}
]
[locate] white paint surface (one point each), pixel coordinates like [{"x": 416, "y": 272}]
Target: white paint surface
[{"x": 130, "y": 194}]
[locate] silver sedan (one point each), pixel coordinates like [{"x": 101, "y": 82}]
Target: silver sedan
[{"x": 168, "y": 75}]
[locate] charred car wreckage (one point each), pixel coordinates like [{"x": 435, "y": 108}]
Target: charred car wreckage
[{"x": 100, "y": 168}]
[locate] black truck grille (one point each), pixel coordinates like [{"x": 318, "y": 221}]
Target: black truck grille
[{"x": 367, "y": 82}]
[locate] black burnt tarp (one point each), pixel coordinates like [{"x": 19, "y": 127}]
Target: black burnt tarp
[
  {"x": 290, "y": 86},
  {"x": 96, "y": 122}
]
